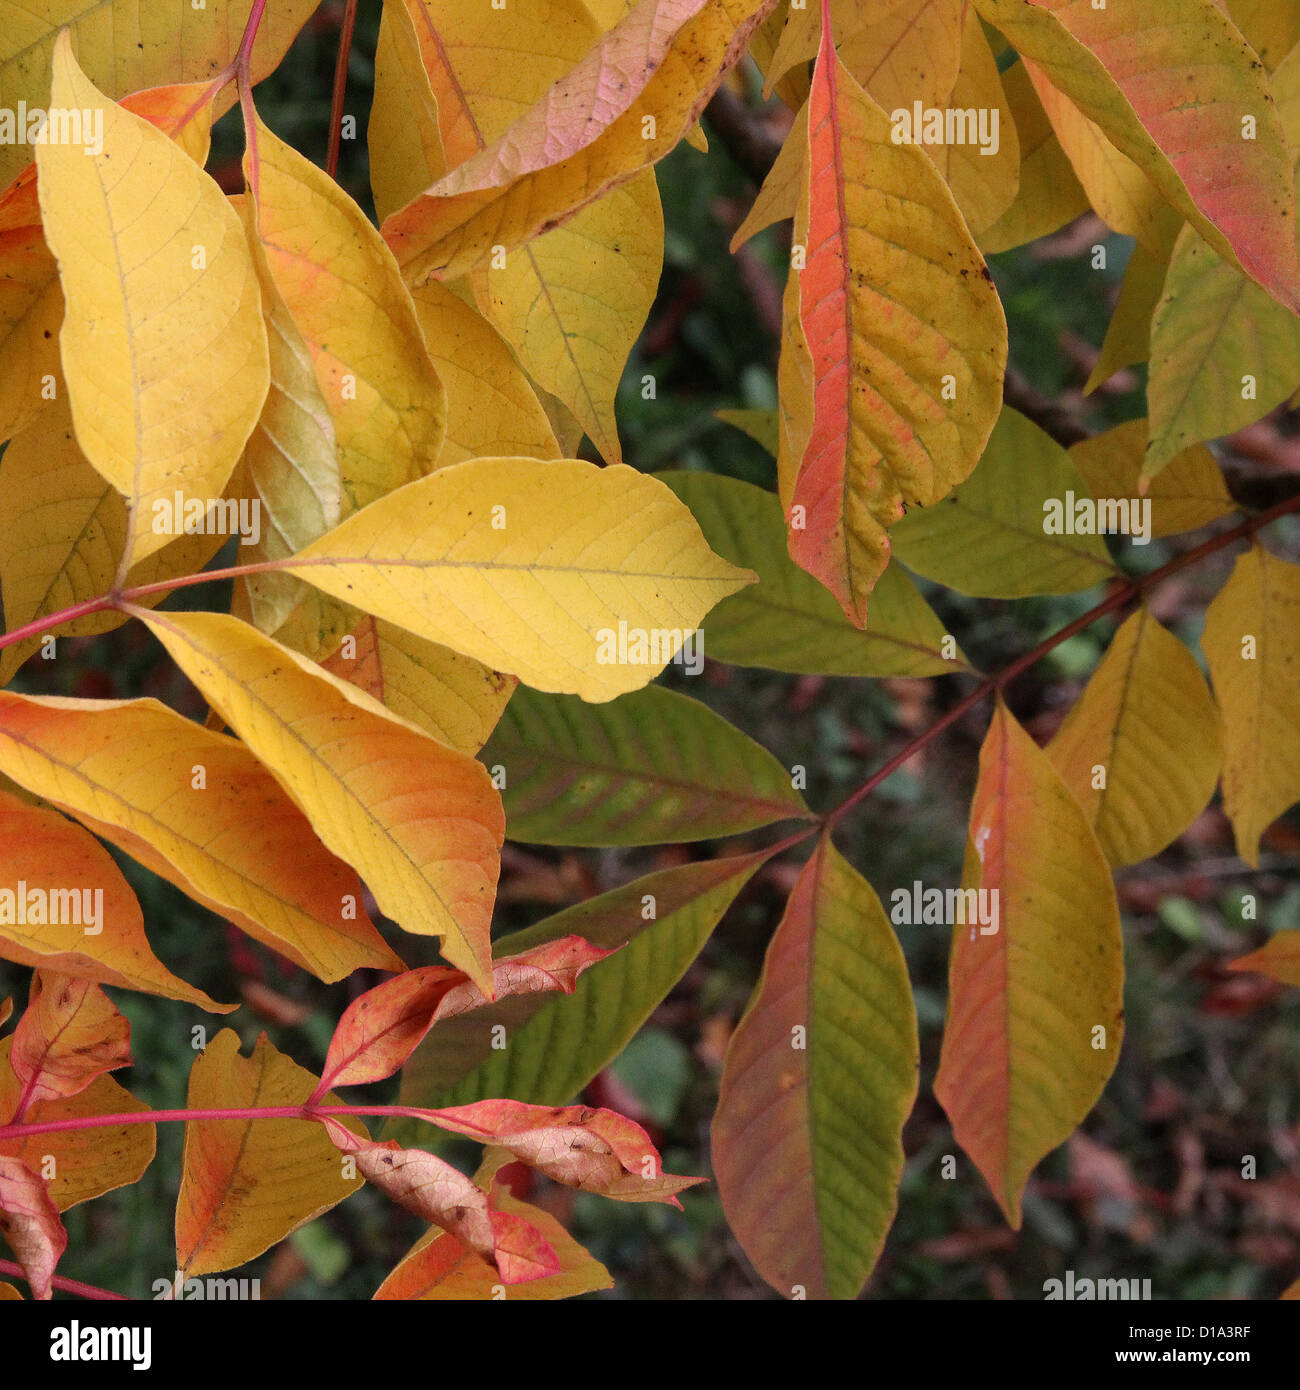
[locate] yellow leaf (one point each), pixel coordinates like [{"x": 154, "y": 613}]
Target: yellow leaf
[
  {"x": 455, "y": 698},
  {"x": 1035, "y": 1006},
  {"x": 125, "y": 46},
  {"x": 63, "y": 531},
  {"x": 31, "y": 302},
  {"x": 1128, "y": 336},
  {"x": 1278, "y": 957},
  {"x": 420, "y": 822},
  {"x": 290, "y": 468},
  {"x": 445, "y": 237},
  {"x": 1252, "y": 644},
  {"x": 163, "y": 345},
  {"x": 1273, "y": 30},
  {"x": 491, "y": 408},
  {"x": 1141, "y": 749},
  {"x": 246, "y": 1184},
  {"x": 572, "y": 303},
  {"x": 1188, "y": 493},
  {"x": 530, "y": 567},
  {"x": 199, "y": 810},
  {"x": 99, "y": 934},
  {"x": 403, "y": 138},
  {"x": 1120, "y": 193},
  {"x": 983, "y": 178},
  {"x": 1049, "y": 194},
  {"x": 345, "y": 294},
  {"x": 906, "y": 338}
]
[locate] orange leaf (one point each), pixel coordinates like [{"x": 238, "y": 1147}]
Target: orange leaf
[
  {"x": 29, "y": 1221},
  {"x": 70, "y": 1034},
  {"x": 905, "y": 333},
  {"x": 46, "y": 854},
  {"x": 381, "y": 1029},
  {"x": 1279, "y": 957},
  {"x": 594, "y": 1150},
  {"x": 234, "y": 842}
]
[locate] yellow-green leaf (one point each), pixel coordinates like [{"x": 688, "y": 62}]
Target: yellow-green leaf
[
  {"x": 531, "y": 566},
  {"x": 163, "y": 344},
  {"x": 419, "y": 821},
  {"x": 989, "y": 536},
  {"x": 788, "y": 621},
  {"x": 1035, "y": 1006},
  {"x": 1252, "y": 644},
  {"x": 651, "y": 767},
  {"x": 1188, "y": 493},
  {"x": 819, "y": 1078},
  {"x": 1141, "y": 749}
]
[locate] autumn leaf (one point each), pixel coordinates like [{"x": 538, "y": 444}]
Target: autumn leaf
[
  {"x": 445, "y": 237},
  {"x": 69, "y": 1034},
  {"x": 29, "y": 1221},
  {"x": 819, "y": 1077},
  {"x": 1279, "y": 958},
  {"x": 1252, "y": 644},
  {"x": 420, "y": 821},
  {"x": 87, "y": 1162},
  {"x": 1172, "y": 86},
  {"x": 536, "y": 582},
  {"x": 453, "y": 697},
  {"x": 1141, "y": 749},
  {"x": 651, "y": 767},
  {"x": 592, "y": 1150},
  {"x": 207, "y": 817},
  {"x": 553, "y": 1046},
  {"x": 904, "y": 349},
  {"x": 99, "y": 934},
  {"x": 1035, "y": 1006},
  {"x": 165, "y": 355},
  {"x": 248, "y": 1183},
  {"x": 441, "y": 1266},
  {"x": 380, "y": 1030}
]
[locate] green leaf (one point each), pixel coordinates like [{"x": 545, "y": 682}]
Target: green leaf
[
  {"x": 553, "y": 1047},
  {"x": 788, "y": 621},
  {"x": 819, "y": 1078},
  {"x": 652, "y": 767},
  {"x": 986, "y": 538}
]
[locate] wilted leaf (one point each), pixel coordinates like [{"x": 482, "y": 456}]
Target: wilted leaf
[{"x": 29, "y": 1221}]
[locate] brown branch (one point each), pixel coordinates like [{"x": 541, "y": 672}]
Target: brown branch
[{"x": 745, "y": 133}]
